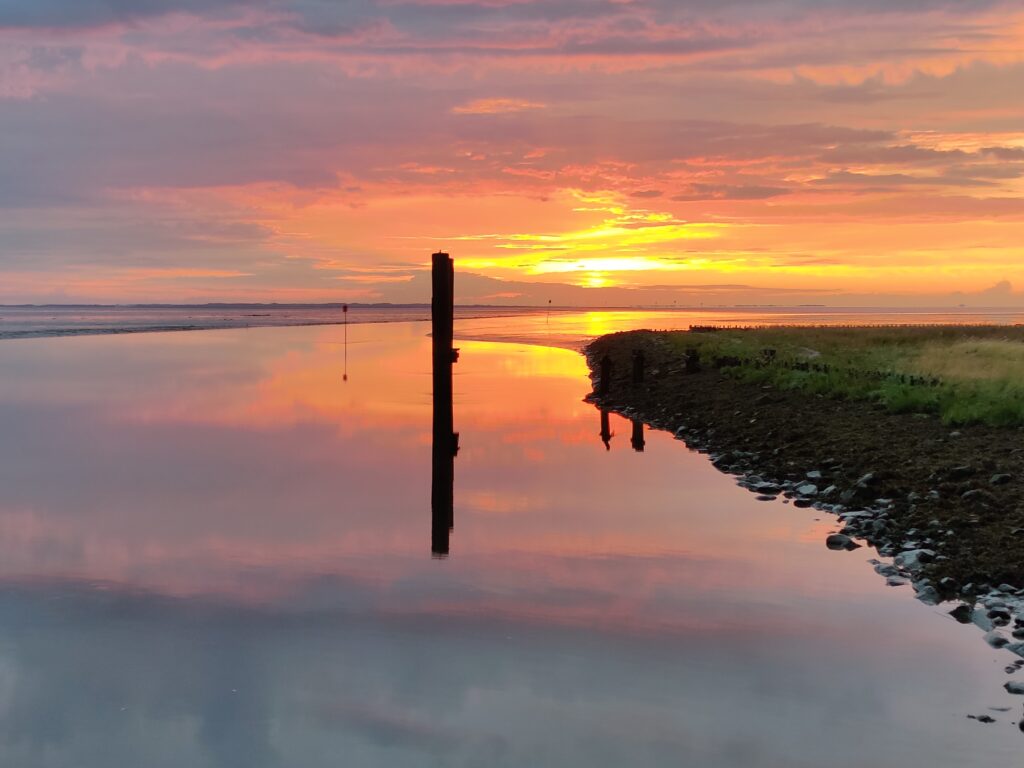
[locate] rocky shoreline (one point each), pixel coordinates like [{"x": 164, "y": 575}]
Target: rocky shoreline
[{"x": 944, "y": 507}]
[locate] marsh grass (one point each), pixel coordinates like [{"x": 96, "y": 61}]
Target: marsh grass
[
  {"x": 964, "y": 374},
  {"x": 973, "y": 360}
]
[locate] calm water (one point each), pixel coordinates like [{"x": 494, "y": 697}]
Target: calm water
[
  {"x": 18, "y": 322},
  {"x": 561, "y": 327},
  {"x": 215, "y": 551}
]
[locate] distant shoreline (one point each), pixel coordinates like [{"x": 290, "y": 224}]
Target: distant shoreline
[
  {"x": 57, "y": 333},
  {"x": 93, "y": 320},
  {"x": 783, "y": 308},
  {"x": 28, "y": 321}
]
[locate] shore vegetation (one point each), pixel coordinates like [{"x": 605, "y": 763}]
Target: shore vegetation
[{"x": 963, "y": 374}]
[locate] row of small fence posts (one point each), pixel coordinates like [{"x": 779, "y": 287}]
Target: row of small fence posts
[
  {"x": 691, "y": 363},
  {"x": 445, "y": 439}
]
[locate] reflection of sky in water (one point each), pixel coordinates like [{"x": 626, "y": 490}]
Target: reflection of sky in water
[{"x": 213, "y": 552}]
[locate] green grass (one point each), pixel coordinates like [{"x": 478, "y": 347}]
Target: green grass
[{"x": 963, "y": 374}]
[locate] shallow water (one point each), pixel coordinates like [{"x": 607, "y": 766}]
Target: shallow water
[
  {"x": 216, "y": 551},
  {"x": 18, "y": 322},
  {"x": 560, "y": 327}
]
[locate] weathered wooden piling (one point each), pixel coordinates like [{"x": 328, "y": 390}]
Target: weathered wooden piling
[
  {"x": 692, "y": 360},
  {"x": 446, "y": 440},
  {"x": 344, "y": 312},
  {"x": 605, "y": 382},
  {"x": 638, "y": 366}
]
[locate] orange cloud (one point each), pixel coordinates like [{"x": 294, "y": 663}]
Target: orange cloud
[
  {"x": 496, "y": 106},
  {"x": 641, "y": 143}
]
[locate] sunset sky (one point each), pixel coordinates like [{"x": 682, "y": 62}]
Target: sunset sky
[{"x": 584, "y": 151}]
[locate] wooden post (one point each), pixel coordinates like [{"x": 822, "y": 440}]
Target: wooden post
[
  {"x": 606, "y": 376},
  {"x": 446, "y": 441},
  {"x": 692, "y": 360},
  {"x": 442, "y": 313},
  {"x": 344, "y": 312},
  {"x": 638, "y": 366}
]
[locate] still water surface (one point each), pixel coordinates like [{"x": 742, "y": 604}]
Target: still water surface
[{"x": 214, "y": 551}]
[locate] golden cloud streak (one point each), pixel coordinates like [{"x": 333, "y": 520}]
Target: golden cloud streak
[{"x": 496, "y": 106}]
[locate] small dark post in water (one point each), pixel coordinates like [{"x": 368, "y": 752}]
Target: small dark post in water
[
  {"x": 606, "y": 376},
  {"x": 638, "y": 366},
  {"x": 606, "y": 430},
  {"x": 344, "y": 312},
  {"x": 446, "y": 440},
  {"x": 637, "y": 441}
]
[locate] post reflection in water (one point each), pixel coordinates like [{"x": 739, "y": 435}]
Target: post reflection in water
[
  {"x": 445, "y": 439},
  {"x": 606, "y": 430},
  {"x": 442, "y": 496},
  {"x": 637, "y": 440}
]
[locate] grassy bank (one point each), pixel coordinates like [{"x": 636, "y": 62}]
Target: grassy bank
[{"x": 964, "y": 374}]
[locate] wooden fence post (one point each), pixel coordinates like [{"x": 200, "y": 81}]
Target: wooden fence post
[
  {"x": 638, "y": 366},
  {"x": 446, "y": 440}
]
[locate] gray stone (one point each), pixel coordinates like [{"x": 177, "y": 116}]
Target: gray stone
[
  {"x": 996, "y": 640},
  {"x": 987, "y": 719},
  {"x": 961, "y": 473},
  {"x": 855, "y": 515},
  {"x": 1001, "y": 479},
  {"x": 869, "y": 480},
  {"x": 928, "y": 594},
  {"x": 914, "y": 558},
  {"x": 977, "y": 496},
  {"x": 884, "y": 569},
  {"x": 838, "y": 541},
  {"x": 962, "y": 613}
]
